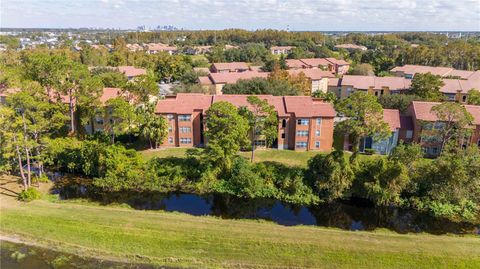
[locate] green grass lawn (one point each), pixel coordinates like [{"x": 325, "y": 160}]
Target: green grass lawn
[
  {"x": 287, "y": 157},
  {"x": 181, "y": 240}
]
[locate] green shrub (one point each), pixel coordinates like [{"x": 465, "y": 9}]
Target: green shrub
[
  {"x": 29, "y": 194},
  {"x": 41, "y": 179},
  {"x": 369, "y": 151}
]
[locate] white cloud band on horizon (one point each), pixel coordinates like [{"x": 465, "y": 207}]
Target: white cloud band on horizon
[{"x": 321, "y": 15}]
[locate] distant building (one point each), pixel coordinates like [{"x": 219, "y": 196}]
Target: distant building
[
  {"x": 304, "y": 123},
  {"x": 131, "y": 71},
  {"x": 377, "y": 86},
  {"x": 215, "y": 82},
  {"x": 229, "y": 67},
  {"x": 351, "y": 47},
  {"x": 154, "y": 48},
  {"x": 339, "y": 67},
  {"x": 279, "y": 50}
]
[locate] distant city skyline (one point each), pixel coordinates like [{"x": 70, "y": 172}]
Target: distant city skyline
[{"x": 300, "y": 15}]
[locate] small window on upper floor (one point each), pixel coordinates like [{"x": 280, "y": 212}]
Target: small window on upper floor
[
  {"x": 169, "y": 116},
  {"x": 284, "y": 123},
  {"x": 302, "y": 121},
  {"x": 319, "y": 121},
  {"x": 464, "y": 98}
]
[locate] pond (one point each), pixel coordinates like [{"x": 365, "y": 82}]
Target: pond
[
  {"x": 348, "y": 215},
  {"x": 20, "y": 256}
]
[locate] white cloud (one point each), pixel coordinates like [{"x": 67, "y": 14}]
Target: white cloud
[{"x": 249, "y": 14}]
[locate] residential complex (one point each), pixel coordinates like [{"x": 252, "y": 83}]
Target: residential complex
[
  {"x": 304, "y": 123},
  {"x": 426, "y": 125}
]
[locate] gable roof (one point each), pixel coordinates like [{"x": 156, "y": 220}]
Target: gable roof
[
  {"x": 306, "y": 106},
  {"x": 234, "y": 77},
  {"x": 315, "y": 62},
  {"x": 423, "y": 111},
  {"x": 131, "y": 71},
  {"x": 160, "y": 47},
  {"x": 337, "y": 61},
  {"x": 301, "y": 106},
  {"x": 366, "y": 82},
  {"x": 295, "y": 63},
  {"x": 392, "y": 118},
  {"x": 313, "y": 74},
  {"x": 230, "y": 66}
]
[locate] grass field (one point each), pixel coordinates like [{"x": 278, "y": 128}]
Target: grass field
[
  {"x": 181, "y": 240},
  {"x": 287, "y": 157}
]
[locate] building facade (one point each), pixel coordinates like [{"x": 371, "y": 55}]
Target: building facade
[{"x": 304, "y": 123}]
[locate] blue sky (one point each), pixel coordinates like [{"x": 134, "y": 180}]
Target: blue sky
[{"x": 321, "y": 15}]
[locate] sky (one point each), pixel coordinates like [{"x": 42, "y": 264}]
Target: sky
[{"x": 299, "y": 15}]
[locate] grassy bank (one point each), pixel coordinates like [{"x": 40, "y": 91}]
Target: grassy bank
[
  {"x": 287, "y": 157},
  {"x": 182, "y": 240}
]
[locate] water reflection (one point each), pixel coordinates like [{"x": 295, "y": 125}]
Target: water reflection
[{"x": 348, "y": 215}]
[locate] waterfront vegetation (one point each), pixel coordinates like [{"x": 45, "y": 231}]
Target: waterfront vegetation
[{"x": 181, "y": 240}]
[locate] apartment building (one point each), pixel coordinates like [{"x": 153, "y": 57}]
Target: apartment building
[
  {"x": 426, "y": 124},
  {"x": 131, "y": 71},
  {"x": 304, "y": 123},
  {"x": 351, "y": 47},
  {"x": 215, "y": 82},
  {"x": 279, "y": 50},
  {"x": 154, "y": 48},
  {"x": 381, "y": 146},
  {"x": 377, "y": 86},
  {"x": 338, "y": 67},
  {"x": 318, "y": 78},
  {"x": 234, "y": 67}
]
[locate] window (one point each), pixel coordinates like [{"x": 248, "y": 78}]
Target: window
[
  {"x": 185, "y": 129},
  {"x": 319, "y": 121},
  {"x": 98, "y": 120},
  {"x": 317, "y": 132},
  {"x": 302, "y": 133},
  {"x": 376, "y": 93},
  {"x": 301, "y": 144},
  {"x": 184, "y": 117},
  {"x": 185, "y": 140},
  {"x": 170, "y": 117},
  {"x": 284, "y": 123},
  {"x": 439, "y": 125},
  {"x": 170, "y": 140},
  {"x": 478, "y": 142},
  {"x": 381, "y": 92},
  {"x": 317, "y": 144},
  {"x": 409, "y": 134},
  {"x": 283, "y": 136},
  {"x": 302, "y": 121},
  {"x": 170, "y": 128},
  {"x": 464, "y": 98}
]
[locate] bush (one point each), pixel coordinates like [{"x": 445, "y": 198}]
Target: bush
[
  {"x": 29, "y": 194},
  {"x": 42, "y": 179},
  {"x": 369, "y": 151}
]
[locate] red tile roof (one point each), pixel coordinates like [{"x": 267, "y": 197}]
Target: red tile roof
[
  {"x": 231, "y": 66},
  {"x": 281, "y": 47},
  {"x": 204, "y": 80},
  {"x": 313, "y": 74},
  {"x": 301, "y": 106},
  {"x": 160, "y": 47},
  {"x": 131, "y": 71},
  {"x": 295, "y": 64},
  {"x": 392, "y": 118},
  {"x": 337, "y": 61},
  {"x": 414, "y": 69},
  {"x": 234, "y": 77},
  {"x": 333, "y": 82},
  {"x": 306, "y": 106},
  {"x": 315, "y": 62},
  {"x": 423, "y": 111},
  {"x": 109, "y": 93},
  {"x": 365, "y": 82}
]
